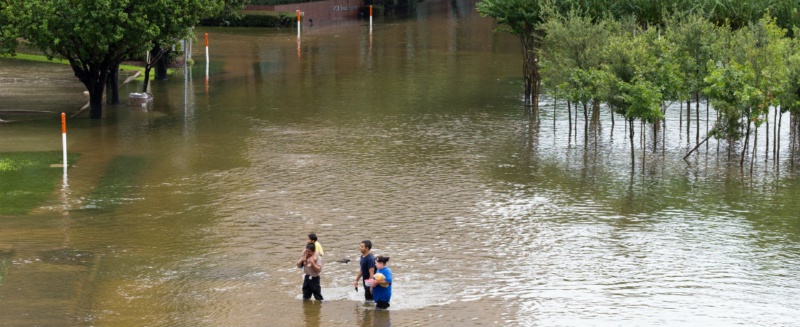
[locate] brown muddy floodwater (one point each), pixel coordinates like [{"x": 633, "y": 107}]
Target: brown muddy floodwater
[{"x": 192, "y": 213}]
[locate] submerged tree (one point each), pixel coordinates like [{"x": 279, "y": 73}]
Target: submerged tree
[
  {"x": 636, "y": 78},
  {"x": 789, "y": 97},
  {"x": 750, "y": 81},
  {"x": 521, "y": 18},
  {"x": 691, "y": 39},
  {"x": 572, "y": 51},
  {"x": 95, "y": 36}
]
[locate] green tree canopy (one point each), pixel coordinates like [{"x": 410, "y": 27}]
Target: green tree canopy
[
  {"x": 521, "y": 18},
  {"x": 97, "y": 35}
]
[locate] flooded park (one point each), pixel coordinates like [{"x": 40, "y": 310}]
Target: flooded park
[{"x": 411, "y": 133}]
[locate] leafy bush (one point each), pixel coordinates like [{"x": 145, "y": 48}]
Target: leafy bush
[
  {"x": 280, "y": 19},
  {"x": 277, "y": 2},
  {"x": 377, "y": 11}
]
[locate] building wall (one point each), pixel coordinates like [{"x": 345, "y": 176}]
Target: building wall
[{"x": 319, "y": 10}]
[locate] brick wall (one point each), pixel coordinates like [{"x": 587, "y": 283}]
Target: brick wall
[{"x": 319, "y": 10}]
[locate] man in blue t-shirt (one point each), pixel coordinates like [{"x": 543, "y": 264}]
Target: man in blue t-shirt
[{"x": 367, "y": 270}]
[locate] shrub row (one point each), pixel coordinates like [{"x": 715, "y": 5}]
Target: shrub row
[
  {"x": 277, "y": 2},
  {"x": 280, "y": 19}
]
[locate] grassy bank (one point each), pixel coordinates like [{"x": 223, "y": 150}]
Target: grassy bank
[{"x": 42, "y": 58}]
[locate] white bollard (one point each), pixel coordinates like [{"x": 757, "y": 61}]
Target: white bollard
[{"x": 298, "y": 23}]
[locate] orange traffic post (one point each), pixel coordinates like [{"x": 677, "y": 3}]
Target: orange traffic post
[
  {"x": 370, "y": 17},
  {"x": 298, "y": 23}
]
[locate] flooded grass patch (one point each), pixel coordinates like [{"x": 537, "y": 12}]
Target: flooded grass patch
[
  {"x": 5, "y": 262},
  {"x": 27, "y": 180},
  {"x": 117, "y": 185}
]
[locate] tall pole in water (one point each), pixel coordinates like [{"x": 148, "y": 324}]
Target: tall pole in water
[
  {"x": 298, "y": 23},
  {"x": 64, "y": 143},
  {"x": 207, "y": 62},
  {"x": 370, "y": 17}
]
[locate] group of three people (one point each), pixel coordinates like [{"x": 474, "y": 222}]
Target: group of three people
[{"x": 375, "y": 275}]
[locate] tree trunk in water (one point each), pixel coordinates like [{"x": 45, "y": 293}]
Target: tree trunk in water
[
  {"x": 766, "y": 147},
  {"x": 161, "y": 65},
  {"x": 707, "y": 119},
  {"x": 569, "y": 126},
  {"x": 94, "y": 78},
  {"x": 633, "y": 159},
  {"x": 664, "y": 133},
  {"x": 688, "y": 120},
  {"x": 157, "y": 58},
  {"x": 527, "y": 79},
  {"x": 536, "y": 84},
  {"x": 596, "y": 112},
  {"x": 655, "y": 134},
  {"x": 585, "y": 124},
  {"x": 778, "y": 142},
  {"x": 695, "y": 147},
  {"x": 555, "y": 104},
  {"x": 697, "y": 117},
  {"x": 112, "y": 85},
  {"x": 643, "y": 131},
  {"x": 680, "y": 117},
  {"x": 746, "y": 143},
  {"x": 96, "y": 97},
  {"x": 755, "y": 148},
  {"x": 792, "y": 137},
  {"x": 530, "y": 71},
  {"x": 146, "y": 83},
  {"x": 775, "y": 130},
  {"x": 612, "y": 123}
]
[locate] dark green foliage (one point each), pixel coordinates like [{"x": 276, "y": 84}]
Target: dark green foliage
[
  {"x": 405, "y": 7},
  {"x": 27, "y": 180},
  {"x": 247, "y": 20},
  {"x": 736, "y": 13},
  {"x": 390, "y": 7},
  {"x": 276, "y": 2},
  {"x": 95, "y": 36},
  {"x": 377, "y": 11}
]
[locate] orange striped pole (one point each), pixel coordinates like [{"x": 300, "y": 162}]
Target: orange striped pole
[
  {"x": 370, "y": 17},
  {"x": 207, "y": 62},
  {"x": 64, "y": 140},
  {"x": 206, "y": 48},
  {"x": 298, "y": 23}
]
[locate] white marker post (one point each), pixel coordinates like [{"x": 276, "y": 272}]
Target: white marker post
[
  {"x": 370, "y": 17},
  {"x": 64, "y": 143},
  {"x": 207, "y": 63},
  {"x": 298, "y": 23}
]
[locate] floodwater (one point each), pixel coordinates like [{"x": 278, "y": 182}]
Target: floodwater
[{"x": 412, "y": 135}]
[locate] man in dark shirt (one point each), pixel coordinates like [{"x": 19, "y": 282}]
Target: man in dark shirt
[{"x": 367, "y": 270}]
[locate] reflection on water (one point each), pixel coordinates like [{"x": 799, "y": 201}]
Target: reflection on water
[{"x": 414, "y": 137}]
